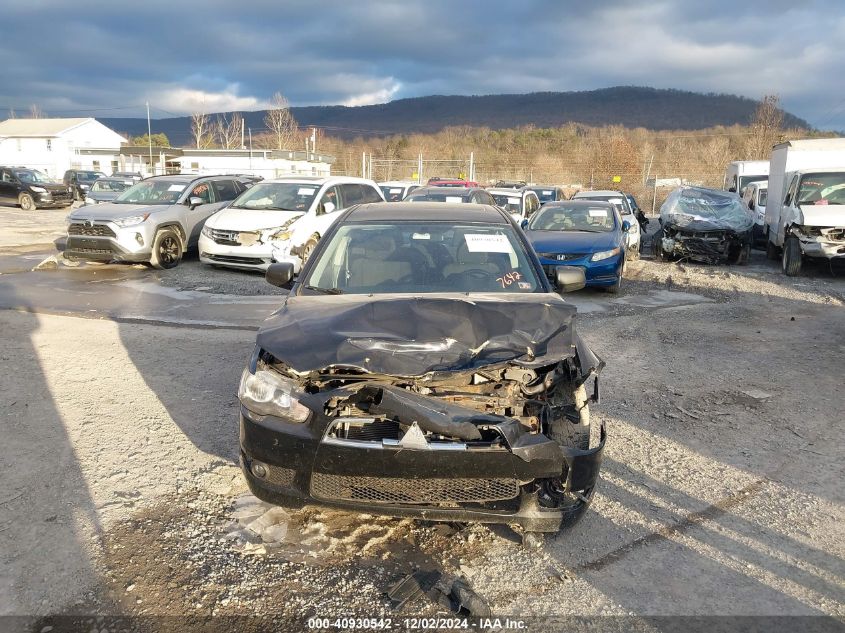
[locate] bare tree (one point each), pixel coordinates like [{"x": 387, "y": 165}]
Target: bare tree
[
  {"x": 227, "y": 130},
  {"x": 281, "y": 123},
  {"x": 766, "y": 127},
  {"x": 13, "y": 114},
  {"x": 35, "y": 112},
  {"x": 201, "y": 130}
]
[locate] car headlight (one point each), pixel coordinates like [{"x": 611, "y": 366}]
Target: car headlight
[
  {"x": 597, "y": 257},
  {"x": 267, "y": 392},
  {"x": 281, "y": 235},
  {"x": 39, "y": 189},
  {"x": 206, "y": 231},
  {"x": 131, "y": 221},
  {"x": 83, "y": 187}
]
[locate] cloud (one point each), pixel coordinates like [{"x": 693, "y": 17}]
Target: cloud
[{"x": 109, "y": 59}]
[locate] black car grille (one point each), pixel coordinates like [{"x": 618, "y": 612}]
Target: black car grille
[
  {"x": 562, "y": 257},
  {"x": 415, "y": 491},
  {"x": 234, "y": 259},
  {"x": 280, "y": 476},
  {"x": 96, "y": 230}
]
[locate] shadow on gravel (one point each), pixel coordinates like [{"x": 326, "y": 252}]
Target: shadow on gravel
[{"x": 48, "y": 521}]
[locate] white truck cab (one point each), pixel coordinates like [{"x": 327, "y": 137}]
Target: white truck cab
[
  {"x": 755, "y": 196},
  {"x": 805, "y": 213}
]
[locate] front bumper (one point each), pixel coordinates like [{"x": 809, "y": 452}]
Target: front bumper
[
  {"x": 104, "y": 242},
  {"x": 493, "y": 485},
  {"x": 52, "y": 199},
  {"x": 713, "y": 247},
  {"x": 597, "y": 274},
  {"x": 815, "y": 244},
  {"x": 258, "y": 256}
]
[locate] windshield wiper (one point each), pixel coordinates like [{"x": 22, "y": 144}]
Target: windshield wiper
[{"x": 325, "y": 291}]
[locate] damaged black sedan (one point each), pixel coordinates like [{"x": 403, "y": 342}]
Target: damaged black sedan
[
  {"x": 422, "y": 365},
  {"x": 706, "y": 225}
]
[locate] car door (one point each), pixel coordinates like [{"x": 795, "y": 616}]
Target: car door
[
  {"x": 325, "y": 214},
  {"x": 197, "y": 215},
  {"x": 8, "y": 188}
]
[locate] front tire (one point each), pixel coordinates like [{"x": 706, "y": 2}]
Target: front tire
[
  {"x": 167, "y": 249},
  {"x": 308, "y": 250},
  {"x": 27, "y": 202},
  {"x": 792, "y": 257}
]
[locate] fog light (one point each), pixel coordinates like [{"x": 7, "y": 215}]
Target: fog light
[
  {"x": 139, "y": 238},
  {"x": 259, "y": 470}
]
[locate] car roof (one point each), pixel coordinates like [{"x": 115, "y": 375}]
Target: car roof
[
  {"x": 461, "y": 192},
  {"x": 320, "y": 180},
  {"x": 583, "y": 202},
  {"x": 433, "y": 211},
  {"x": 397, "y": 183},
  {"x": 599, "y": 192},
  {"x": 509, "y": 191}
]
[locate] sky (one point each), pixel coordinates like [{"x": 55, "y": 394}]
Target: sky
[{"x": 89, "y": 58}]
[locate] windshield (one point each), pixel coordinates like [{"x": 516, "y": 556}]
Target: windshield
[
  {"x": 107, "y": 184},
  {"x": 618, "y": 202},
  {"x": 277, "y": 196},
  {"x": 153, "y": 192},
  {"x": 510, "y": 203},
  {"x": 437, "y": 197},
  {"x": 88, "y": 176},
  {"x": 822, "y": 189},
  {"x": 32, "y": 175},
  {"x": 423, "y": 257},
  {"x": 597, "y": 219},
  {"x": 546, "y": 195},
  {"x": 747, "y": 180},
  {"x": 393, "y": 194}
]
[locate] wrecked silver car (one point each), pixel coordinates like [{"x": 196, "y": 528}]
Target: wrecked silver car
[
  {"x": 703, "y": 224},
  {"x": 424, "y": 367}
]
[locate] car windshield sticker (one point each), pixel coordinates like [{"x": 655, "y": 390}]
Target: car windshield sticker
[
  {"x": 508, "y": 278},
  {"x": 306, "y": 191},
  {"x": 547, "y": 193},
  {"x": 454, "y": 199},
  {"x": 395, "y": 191},
  {"x": 598, "y": 213},
  {"x": 513, "y": 200},
  {"x": 421, "y": 236},
  {"x": 486, "y": 243},
  {"x": 524, "y": 285},
  {"x": 176, "y": 188}
]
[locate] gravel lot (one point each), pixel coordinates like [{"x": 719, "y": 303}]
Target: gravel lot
[{"x": 720, "y": 494}]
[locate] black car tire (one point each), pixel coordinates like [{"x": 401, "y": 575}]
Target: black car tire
[
  {"x": 792, "y": 257},
  {"x": 27, "y": 202},
  {"x": 167, "y": 249},
  {"x": 614, "y": 289},
  {"x": 772, "y": 251}
]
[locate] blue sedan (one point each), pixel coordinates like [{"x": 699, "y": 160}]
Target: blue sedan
[{"x": 584, "y": 233}]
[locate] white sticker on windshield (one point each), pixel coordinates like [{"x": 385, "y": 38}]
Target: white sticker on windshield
[
  {"x": 395, "y": 191},
  {"x": 598, "y": 213},
  {"x": 127, "y": 182},
  {"x": 454, "y": 199},
  {"x": 514, "y": 200},
  {"x": 421, "y": 236},
  {"x": 483, "y": 243},
  {"x": 306, "y": 191},
  {"x": 176, "y": 188},
  {"x": 547, "y": 193}
]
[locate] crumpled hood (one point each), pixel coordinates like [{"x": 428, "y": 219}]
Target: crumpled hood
[
  {"x": 251, "y": 219},
  {"x": 404, "y": 335},
  {"x": 111, "y": 211},
  {"x": 827, "y": 215}
]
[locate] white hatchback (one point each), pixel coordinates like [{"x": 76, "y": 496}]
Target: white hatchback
[
  {"x": 280, "y": 220},
  {"x": 633, "y": 237}
]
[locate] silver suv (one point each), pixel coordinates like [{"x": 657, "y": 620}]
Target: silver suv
[{"x": 156, "y": 220}]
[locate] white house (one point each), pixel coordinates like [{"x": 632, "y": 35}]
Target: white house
[{"x": 56, "y": 145}]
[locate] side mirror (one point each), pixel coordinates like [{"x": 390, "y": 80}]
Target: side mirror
[
  {"x": 523, "y": 225},
  {"x": 569, "y": 278},
  {"x": 751, "y": 204},
  {"x": 279, "y": 274},
  {"x": 732, "y": 189},
  {"x": 328, "y": 207},
  {"x": 626, "y": 226},
  {"x": 788, "y": 200},
  {"x": 195, "y": 201}
]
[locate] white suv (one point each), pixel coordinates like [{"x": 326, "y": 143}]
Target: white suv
[
  {"x": 280, "y": 220},
  {"x": 620, "y": 201}
]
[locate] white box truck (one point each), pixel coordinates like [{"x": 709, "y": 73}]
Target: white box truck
[
  {"x": 805, "y": 213},
  {"x": 743, "y": 172}
]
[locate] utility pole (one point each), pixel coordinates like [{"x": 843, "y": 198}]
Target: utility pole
[
  {"x": 250, "y": 148},
  {"x": 243, "y": 123},
  {"x": 150, "y": 139}
]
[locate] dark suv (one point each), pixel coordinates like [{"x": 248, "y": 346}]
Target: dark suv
[
  {"x": 81, "y": 180},
  {"x": 31, "y": 189}
]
